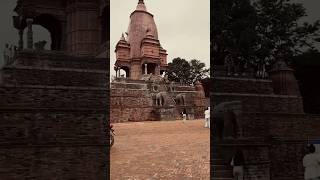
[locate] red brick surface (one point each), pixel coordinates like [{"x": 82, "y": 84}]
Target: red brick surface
[{"x": 161, "y": 150}]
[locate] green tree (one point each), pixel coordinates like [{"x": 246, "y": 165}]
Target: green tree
[
  {"x": 198, "y": 70},
  {"x": 260, "y": 31},
  {"x": 281, "y": 36},
  {"x": 233, "y": 30},
  {"x": 180, "y": 70}
]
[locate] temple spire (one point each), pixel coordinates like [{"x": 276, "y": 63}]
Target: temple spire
[
  {"x": 141, "y": 6},
  {"x": 122, "y": 37}
]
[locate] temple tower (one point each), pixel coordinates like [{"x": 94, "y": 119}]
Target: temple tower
[{"x": 140, "y": 53}]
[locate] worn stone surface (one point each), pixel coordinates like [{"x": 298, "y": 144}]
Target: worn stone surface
[
  {"x": 274, "y": 129},
  {"x": 53, "y": 121},
  {"x": 161, "y": 150},
  {"x": 136, "y": 101}
]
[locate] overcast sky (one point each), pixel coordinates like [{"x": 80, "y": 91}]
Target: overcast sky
[{"x": 183, "y": 26}]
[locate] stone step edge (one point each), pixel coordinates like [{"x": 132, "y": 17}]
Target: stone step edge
[
  {"x": 243, "y": 79},
  {"x": 13, "y": 146},
  {"x": 69, "y": 110},
  {"x": 254, "y": 95},
  {"x": 97, "y": 88},
  {"x": 96, "y": 71}
]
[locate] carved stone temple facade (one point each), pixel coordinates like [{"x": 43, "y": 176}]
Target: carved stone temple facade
[
  {"x": 144, "y": 94},
  {"x": 54, "y": 103}
]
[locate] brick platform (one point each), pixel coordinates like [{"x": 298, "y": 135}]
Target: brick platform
[{"x": 161, "y": 150}]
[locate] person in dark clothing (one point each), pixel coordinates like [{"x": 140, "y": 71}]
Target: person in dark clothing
[{"x": 238, "y": 162}]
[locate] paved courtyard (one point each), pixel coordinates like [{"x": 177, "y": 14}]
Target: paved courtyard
[{"x": 161, "y": 150}]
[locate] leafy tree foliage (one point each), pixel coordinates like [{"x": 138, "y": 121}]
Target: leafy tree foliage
[
  {"x": 180, "y": 70},
  {"x": 233, "y": 30},
  {"x": 281, "y": 36},
  {"x": 260, "y": 31}
]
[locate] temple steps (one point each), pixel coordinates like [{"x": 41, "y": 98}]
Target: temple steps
[
  {"x": 242, "y": 85},
  {"x": 261, "y": 102},
  {"x": 54, "y": 77},
  {"x": 53, "y": 97},
  {"x": 56, "y": 59}
]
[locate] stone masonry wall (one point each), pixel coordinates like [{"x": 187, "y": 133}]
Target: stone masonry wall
[
  {"x": 130, "y": 105},
  {"x": 54, "y": 117},
  {"x": 133, "y": 101}
]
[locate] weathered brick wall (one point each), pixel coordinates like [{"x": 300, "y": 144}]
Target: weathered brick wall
[
  {"x": 130, "y": 105},
  {"x": 237, "y": 85},
  {"x": 256, "y": 155},
  {"x": 288, "y": 135},
  {"x": 53, "y": 76},
  {"x": 278, "y": 121},
  {"x": 52, "y": 97},
  {"x": 262, "y": 103},
  {"x": 54, "y": 59},
  {"x": 53, "y": 121},
  {"x": 134, "y": 101},
  {"x": 53, "y": 162}
]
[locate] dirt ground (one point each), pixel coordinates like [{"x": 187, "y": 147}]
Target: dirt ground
[{"x": 161, "y": 150}]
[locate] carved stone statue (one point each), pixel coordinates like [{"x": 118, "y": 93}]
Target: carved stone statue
[
  {"x": 228, "y": 62},
  {"x": 6, "y": 54},
  {"x": 180, "y": 99},
  {"x": 160, "y": 99},
  {"x": 226, "y": 120}
]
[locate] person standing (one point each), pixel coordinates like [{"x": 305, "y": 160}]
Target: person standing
[
  {"x": 311, "y": 162},
  {"x": 238, "y": 162},
  {"x": 184, "y": 116},
  {"x": 207, "y": 117}
]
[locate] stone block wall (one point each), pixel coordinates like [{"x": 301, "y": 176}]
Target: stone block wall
[
  {"x": 278, "y": 122},
  {"x": 134, "y": 101},
  {"x": 242, "y": 85},
  {"x": 262, "y": 103},
  {"x": 53, "y": 121},
  {"x": 130, "y": 105}
]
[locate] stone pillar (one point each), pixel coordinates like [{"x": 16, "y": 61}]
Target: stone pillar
[
  {"x": 157, "y": 70},
  {"x": 135, "y": 69},
  {"x": 83, "y": 28},
  {"x": 29, "y": 33},
  {"x": 145, "y": 68},
  {"x": 20, "y": 38}
]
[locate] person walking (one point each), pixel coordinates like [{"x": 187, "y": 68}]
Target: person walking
[
  {"x": 311, "y": 162},
  {"x": 237, "y": 163}
]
